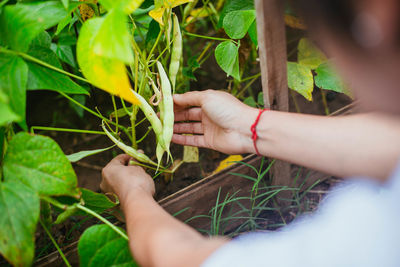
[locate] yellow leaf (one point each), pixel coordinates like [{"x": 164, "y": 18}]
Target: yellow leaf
[
  {"x": 175, "y": 3},
  {"x": 105, "y": 73},
  {"x": 229, "y": 161},
  {"x": 157, "y": 15},
  {"x": 190, "y": 154},
  {"x": 295, "y": 22}
]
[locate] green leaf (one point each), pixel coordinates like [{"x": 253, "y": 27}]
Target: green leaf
[
  {"x": 105, "y": 73},
  {"x": 234, "y": 5},
  {"x": 100, "y": 246},
  {"x": 237, "y": 23},
  {"x": 7, "y": 115},
  {"x": 83, "y": 154},
  {"x": 39, "y": 163},
  {"x": 227, "y": 56},
  {"x": 260, "y": 99},
  {"x": 128, "y": 6},
  {"x": 113, "y": 39},
  {"x": 13, "y": 79},
  {"x": 300, "y": 79},
  {"x": 41, "y": 77},
  {"x": 63, "y": 23},
  {"x": 253, "y": 33},
  {"x": 97, "y": 202},
  {"x": 309, "y": 55},
  {"x": 19, "y": 209},
  {"x": 43, "y": 39},
  {"x": 21, "y": 23},
  {"x": 64, "y": 53},
  {"x": 328, "y": 79},
  {"x": 250, "y": 102}
]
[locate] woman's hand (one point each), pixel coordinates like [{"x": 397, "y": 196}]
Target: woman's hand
[
  {"x": 217, "y": 121},
  {"x": 121, "y": 179}
]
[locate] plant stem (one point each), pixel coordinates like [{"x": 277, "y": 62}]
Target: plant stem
[
  {"x": 116, "y": 111},
  {"x": 104, "y": 220},
  {"x": 55, "y": 244},
  {"x": 40, "y": 62},
  {"x": 40, "y": 128},
  {"x": 295, "y": 101},
  {"x": 207, "y": 37},
  {"x": 325, "y": 102}
]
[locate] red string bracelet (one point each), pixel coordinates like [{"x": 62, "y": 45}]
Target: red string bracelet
[{"x": 253, "y": 130}]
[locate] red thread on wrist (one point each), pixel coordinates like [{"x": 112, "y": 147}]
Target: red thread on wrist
[{"x": 253, "y": 130}]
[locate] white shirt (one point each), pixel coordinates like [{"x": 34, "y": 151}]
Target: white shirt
[{"x": 358, "y": 224}]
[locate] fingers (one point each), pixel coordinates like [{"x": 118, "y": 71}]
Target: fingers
[
  {"x": 190, "y": 99},
  {"x": 190, "y": 128},
  {"x": 189, "y": 140},
  {"x": 192, "y": 114},
  {"x": 122, "y": 159}
]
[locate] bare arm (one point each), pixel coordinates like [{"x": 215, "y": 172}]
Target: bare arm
[
  {"x": 155, "y": 237},
  {"x": 363, "y": 144}
]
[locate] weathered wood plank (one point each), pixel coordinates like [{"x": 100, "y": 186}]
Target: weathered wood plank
[{"x": 273, "y": 57}]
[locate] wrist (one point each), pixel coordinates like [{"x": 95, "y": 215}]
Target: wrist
[
  {"x": 244, "y": 129},
  {"x": 133, "y": 195}
]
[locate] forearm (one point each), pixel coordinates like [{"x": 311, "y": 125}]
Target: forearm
[
  {"x": 158, "y": 239},
  {"x": 363, "y": 144}
]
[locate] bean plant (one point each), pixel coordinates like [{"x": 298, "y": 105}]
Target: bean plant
[{"x": 135, "y": 50}]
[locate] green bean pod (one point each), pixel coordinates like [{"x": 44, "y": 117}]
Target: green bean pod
[
  {"x": 176, "y": 53},
  {"x": 152, "y": 118},
  {"x": 128, "y": 150},
  {"x": 168, "y": 108}
]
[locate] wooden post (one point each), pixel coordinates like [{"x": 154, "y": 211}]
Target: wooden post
[{"x": 273, "y": 58}]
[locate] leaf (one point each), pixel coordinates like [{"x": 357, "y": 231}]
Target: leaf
[
  {"x": 237, "y": 23},
  {"x": 100, "y": 246},
  {"x": 97, "y": 202},
  {"x": 190, "y": 154},
  {"x": 113, "y": 39},
  {"x": 234, "y": 5},
  {"x": 229, "y": 161},
  {"x": 294, "y": 22},
  {"x": 83, "y": 154},
  {"x": 43, "y": 39},
  {"x": 128, "y": 6},
  {"x": 7, "y": 115},
  {"x": 64, "y": 53},
  {"x": 309, "y": 55},
  {"x": 253, "y": 33},
  {"x": 250, "y": 102},
  {"x": 160, "y": 7},
  {"x": 328, "y": 79},
  {"x": 19, "y": 208},
  {"x": 300, "y": 79},
  {"x": 39, "y": 163},
  {"x": 227, "y": 56},
  {"x": 21, "y": 23},
  {"x": 41, "y": 77},
  {"x": 13, "y": 80},
  {"x": 106, "y": 74},
  {"x": 260, "y": 99}
]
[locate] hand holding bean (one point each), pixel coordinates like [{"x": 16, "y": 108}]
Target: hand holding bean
[{"x": 216, "y": 120}]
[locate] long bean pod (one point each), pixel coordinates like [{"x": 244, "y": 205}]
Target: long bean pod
[
  {"x": 152, "y": 117},
  {"x": 176, "y": 53},
  {"x": 127, "y": 149},
  {"x": 168, "y": 106}
]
